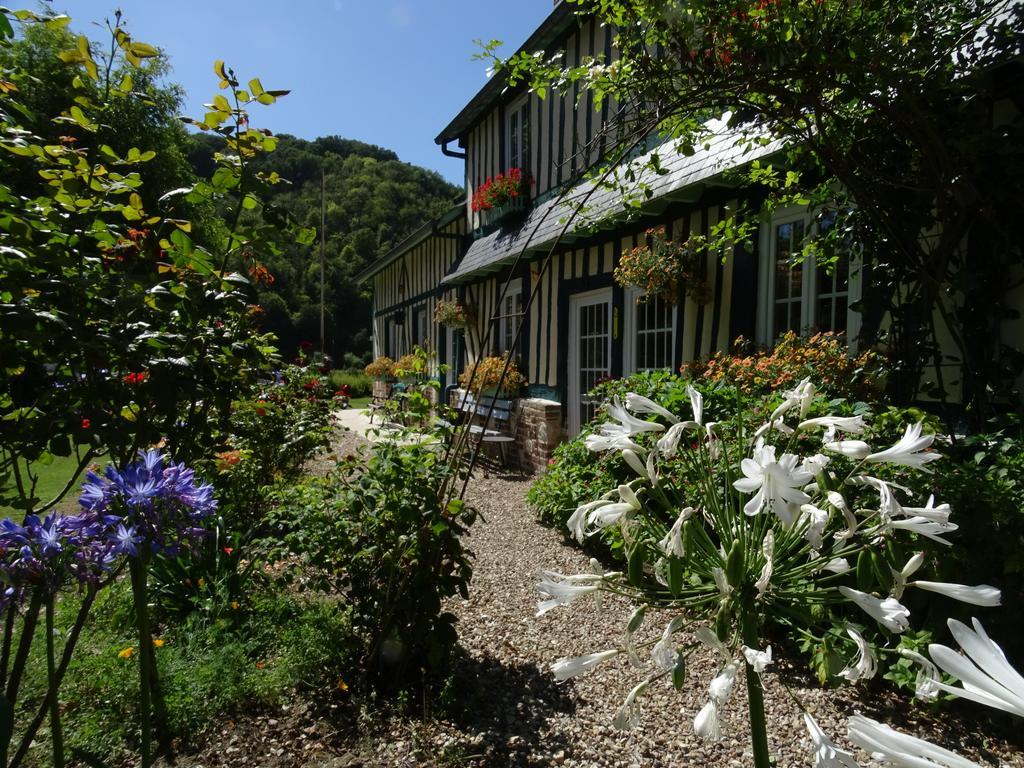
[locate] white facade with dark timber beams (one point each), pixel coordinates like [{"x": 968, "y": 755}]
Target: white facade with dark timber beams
[{"x": 546, "y": 274}]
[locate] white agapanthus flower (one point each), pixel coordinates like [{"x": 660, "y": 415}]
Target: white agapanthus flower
[
  {"x": 908, "y": 450},
  {"x": 707, "y": 636},
  {"x": 565, "y": 669},
  {"x": 696, "y": 403},
  {"x": 922, "y": 526},
  {"x": 866, "y": 663},
  {"x": 900, "y": 577},
  {"x": 816, "y": 520},
  {"x": 629, "y": 713},
  {"x": 890, "y": 613},
  {"x": 983, "y": 594},
  {"x": 802, "y": 396},
  {"x": 765, "y": 577},
  {"x": 721, "y": 581},
  {"x": 854, "y": 449},
  {"x": 668, "y": 443},
  {"x": 837, "y": 565},
  {"x": 720, "y": 687},
  {"x": 562, "y": 590},
  {"x": 640, "y": 404},
  {"x": 775, "y": 484},
  {"x": 778, "y": 425},
  {"x": 577, "y": 522},
  {"x": 826, "y": 753},
  {"x": 664, "y": 652},
  {"x": 598, "y": 442},
  {"x": 706, "y": 724},
  {"x": 925, "y": 686},
  {"x": 899, "y": 749},
  {"x": 940, "y": 514},
  {"x": 759, "y": 660},
  {"x": 609, "y": 514},
  {"x": 838, "y": 502},
  {"x": 815, "y": 464},
  {"x": 672, "y": 544},
  {"x": 983, "y": 671},
  {"x": 634, "y": 462},
  {"x": 627, "y": 422},
  {"x": 851, "y": 424}
]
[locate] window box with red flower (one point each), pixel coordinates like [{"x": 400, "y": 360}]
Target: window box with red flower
[{"x": 502, "y": 197}]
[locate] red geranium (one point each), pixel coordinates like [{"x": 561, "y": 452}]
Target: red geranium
[
  {"x": 135, "y": 378},
  {"x": 502, "y": 189}
]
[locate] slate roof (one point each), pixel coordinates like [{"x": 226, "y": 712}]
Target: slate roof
[{"x": 683, "y": 180}]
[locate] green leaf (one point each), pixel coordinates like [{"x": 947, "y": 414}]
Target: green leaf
[
  {"x": 142, "y": 50},
  {"x": 306, "y": 236}
]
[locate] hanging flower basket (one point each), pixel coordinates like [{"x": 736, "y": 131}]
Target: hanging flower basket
[
  {"x": 454, "y": 314},
  {"x": 660, "y": 268}
]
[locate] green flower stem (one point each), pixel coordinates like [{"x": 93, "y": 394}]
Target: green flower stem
[
  {"x": 755, "y": 693},
  {"x": 52, "y": 684},
  {"x": 28, "y": 631},
  {"x": 5, "y": 655},
  {"x": 137, "y": 569},
  {"x": 62, "y": 668}
]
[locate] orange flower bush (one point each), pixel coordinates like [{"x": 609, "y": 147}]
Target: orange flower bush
[
  {"x": 823, "y": 357},
  {"x": 381, "y": 368}
]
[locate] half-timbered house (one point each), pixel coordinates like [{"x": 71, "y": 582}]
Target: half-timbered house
[{"x": 545, "y": 275}]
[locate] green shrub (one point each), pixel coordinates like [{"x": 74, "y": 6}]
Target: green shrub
[
  {"x": 379, "y": 535},
  {"x": 358, "y": 383}
]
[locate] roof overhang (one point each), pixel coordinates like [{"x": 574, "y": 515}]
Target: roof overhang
[
  {"x": 425, "y": 232},
  {"x": 557, "y": 22}
]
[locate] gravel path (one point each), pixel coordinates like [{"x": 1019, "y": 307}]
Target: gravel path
[{"x": 504, "y": 708}]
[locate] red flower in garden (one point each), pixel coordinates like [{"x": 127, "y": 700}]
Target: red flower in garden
[
  {"x": 135, "y": 378},
  {"x": 228, "y": 550},
  {"x": 311, "y": 385},
  {"x": 260, "y": 409},
  {"x": 305, "y": 346},
  {"x": 86, "y": 423},
  {"x": 261, "y": 274}
]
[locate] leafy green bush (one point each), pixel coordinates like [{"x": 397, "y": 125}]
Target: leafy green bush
[
  {"x": 358, "y": 383},
  {"x": 380, "y": 535}
]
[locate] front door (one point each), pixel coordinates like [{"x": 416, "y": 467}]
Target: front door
[{"x": 590, "y": 351}]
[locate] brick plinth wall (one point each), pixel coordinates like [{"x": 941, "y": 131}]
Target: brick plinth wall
[
  {"x": 381, "y": 389},
  {"x": 538, "y": 433}
]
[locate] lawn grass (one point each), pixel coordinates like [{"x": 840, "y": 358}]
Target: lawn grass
[
  {"x": 359, "y": 402},
  {"x": 52, "y": 478}
]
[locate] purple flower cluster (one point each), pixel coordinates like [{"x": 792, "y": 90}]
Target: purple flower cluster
[{"x": 148, "y": 504}]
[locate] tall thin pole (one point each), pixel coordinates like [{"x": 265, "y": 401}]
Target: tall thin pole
[{"x": 323, "y": 249}]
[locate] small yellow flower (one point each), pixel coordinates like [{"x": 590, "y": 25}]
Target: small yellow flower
[
  {"x": 201, "y": 583},
  {"x": 342, "y": 685},
  {"x": 127, "y": 653},
  {"x": 158, "y": 642},
  {"x": 234, "y": 605}
]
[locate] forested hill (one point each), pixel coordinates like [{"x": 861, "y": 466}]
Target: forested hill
[{"x": 373, "y": 201}]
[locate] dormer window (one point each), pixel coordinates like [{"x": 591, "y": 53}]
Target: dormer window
[{"x": 517, "y": 133}]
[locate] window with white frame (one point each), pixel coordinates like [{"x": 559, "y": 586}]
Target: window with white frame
[
  {"x": 801, "y": 295},
  {"x": 509, "y": 317},
  {"x": 517, "y": 134},
  {"x": 650, "y": 334},
  {"x": 421, "y": 333}
]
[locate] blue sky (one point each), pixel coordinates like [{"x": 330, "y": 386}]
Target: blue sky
[{"x": 388, "y": 72}]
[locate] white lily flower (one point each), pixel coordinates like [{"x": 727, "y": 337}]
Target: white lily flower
[
  {"x": 925, "y": 686},
  {"x": 802, "y": 395},
  {"x": 706, "y": 724},
  {"x": 924, "y": 527},
  {"x": 720, "y": 688},
  {"x": 929, "y": 511},
  {"x": 855, "y": 449},
  {"x": 724, "y": 587},
  {"x": 640, "y": 404},
  {"x": 564, "y": 669},
  {"x": 777, "y": 483},
  {"x": 757, "y": 659},
  {"x": 837, "y": 565},
  {"x": 900, "y": 749},
  {"x": 562, "y": 590},
  {"x": 816, "y": 520},
  {"x": 984, "y": 672},
  {"x": 835, "y": 498},
  {"x": 629, "y": 713},
  {"x": 866, "y": 664},
  {"x": 890, "y": 613},
  {"x": 696, "y": 403},
  {"x": 826, "y": 753},
  {"x": 664, "y": 652},
  {"x": 577, "y": 522},
  {"x": 630, "y": 423},
  {"x": 673, "y": 543},
  {"x": 765, "y": 577},
  {"x": 708, "y": 637},
  {"x": 908, "y": 450},
  {"x": 852, "y": 424},
  {"x": 983, "y": 594}
]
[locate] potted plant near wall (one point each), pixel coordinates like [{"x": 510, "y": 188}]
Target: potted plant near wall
[
  {"x": 487, "y": 380},
  {"x": 661, "y": 266},
  {"x": 454, "y": 314},
  {"x": 502, "y": 196},
  {"x": 381, "y": 369},
  {"x": 411, "y": 368}
]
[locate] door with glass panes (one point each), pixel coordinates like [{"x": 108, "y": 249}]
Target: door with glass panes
[{"x": 590, "y": 351}]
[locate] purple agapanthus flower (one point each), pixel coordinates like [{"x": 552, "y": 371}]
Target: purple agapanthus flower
[{"x": 126, "y": 541}]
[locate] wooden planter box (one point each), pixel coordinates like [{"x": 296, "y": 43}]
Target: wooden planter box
[{"x": 514, "y": 208}]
